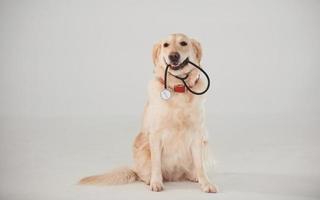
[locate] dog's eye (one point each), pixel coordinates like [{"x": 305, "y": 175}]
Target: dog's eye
[
  {"x": 165, "y": 44},
  {"x": 183, "y": 43}
]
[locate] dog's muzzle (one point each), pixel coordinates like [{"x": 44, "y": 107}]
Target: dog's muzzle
[{"x": 178, "y": 67}]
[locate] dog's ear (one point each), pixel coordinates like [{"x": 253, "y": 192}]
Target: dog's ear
[
  {"x": 197, "y": 49},
  {"x": 156, "y": 53}
]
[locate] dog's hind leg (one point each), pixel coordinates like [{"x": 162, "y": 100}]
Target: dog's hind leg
[{"x": 142, "y": 158}]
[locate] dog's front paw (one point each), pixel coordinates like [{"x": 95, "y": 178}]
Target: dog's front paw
[
  {"x": 156, "y": 186},
  {"x": 209, "y": 188}
]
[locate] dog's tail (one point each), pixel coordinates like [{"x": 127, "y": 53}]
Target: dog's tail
[{"x": 115, "y": 177}]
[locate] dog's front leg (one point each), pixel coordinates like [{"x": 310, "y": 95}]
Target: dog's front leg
[
  {"x": 156, "y": 174},
  {"x": 197, "y": 150}
]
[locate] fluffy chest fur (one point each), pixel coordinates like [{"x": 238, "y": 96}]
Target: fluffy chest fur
[
  {"x": 178, "y": 121},
  {"x": 183, "y": 112}
]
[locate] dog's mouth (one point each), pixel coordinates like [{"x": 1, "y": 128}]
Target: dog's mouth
[{"x": 177, "y": 66}]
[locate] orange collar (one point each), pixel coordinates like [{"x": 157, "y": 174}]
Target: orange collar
[{"x": 179, "y": 88}]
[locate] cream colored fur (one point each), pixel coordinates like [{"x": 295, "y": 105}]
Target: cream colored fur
[{"x": 173, "y": 141}]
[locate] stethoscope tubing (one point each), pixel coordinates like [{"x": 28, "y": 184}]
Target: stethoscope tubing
[{"x": 184, "y": 78}]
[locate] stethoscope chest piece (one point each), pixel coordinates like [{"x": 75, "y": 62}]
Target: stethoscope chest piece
[{"x": 165, "y": 94}]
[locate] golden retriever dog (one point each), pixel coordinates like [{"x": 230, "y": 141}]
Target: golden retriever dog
[{"x": 172, "y": 143}]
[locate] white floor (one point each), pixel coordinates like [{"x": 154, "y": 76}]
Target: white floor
[{"x": 256, "y": 157}]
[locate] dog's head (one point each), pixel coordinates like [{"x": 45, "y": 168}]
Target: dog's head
[{"x": 174, "y": 50}]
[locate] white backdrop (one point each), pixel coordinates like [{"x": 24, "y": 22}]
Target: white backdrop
[
  {"x": 62, "y": 116},
  {"x": 62, "y": 58}
]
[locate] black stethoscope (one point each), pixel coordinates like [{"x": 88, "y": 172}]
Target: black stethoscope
[{"x": 166, "y": 94}]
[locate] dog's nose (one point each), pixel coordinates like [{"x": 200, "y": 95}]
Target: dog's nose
[{"x": 174, "y": 57}]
